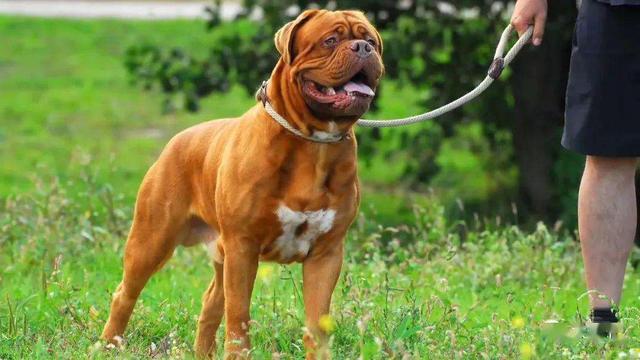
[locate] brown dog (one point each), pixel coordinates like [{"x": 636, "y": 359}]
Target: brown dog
[{"x": 252, "y": 190}]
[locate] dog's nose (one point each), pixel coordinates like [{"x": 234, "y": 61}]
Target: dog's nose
[{"x": 362, "y": 48}]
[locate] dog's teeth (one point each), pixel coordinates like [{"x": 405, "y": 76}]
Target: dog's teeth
[{"x": 328, "y": 90}]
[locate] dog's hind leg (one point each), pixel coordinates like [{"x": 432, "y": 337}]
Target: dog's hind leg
[
  {"x": 158, "y": 226},
  {"x": 211, "y": 315},
  {"x": 145, "y": 253}
]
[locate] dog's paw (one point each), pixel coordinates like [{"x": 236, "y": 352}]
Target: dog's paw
[{"x": 116, "y": 342}]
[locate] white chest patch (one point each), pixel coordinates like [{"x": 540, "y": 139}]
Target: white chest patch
[
  {"x": 294, "y": 242},
  {"x": 332, "y": 132}
]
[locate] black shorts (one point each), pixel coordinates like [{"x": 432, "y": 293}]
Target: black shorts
[{"x": 603, "y": 94}]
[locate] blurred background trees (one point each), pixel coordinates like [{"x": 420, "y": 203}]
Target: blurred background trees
[{"x": 501, "y": 150}]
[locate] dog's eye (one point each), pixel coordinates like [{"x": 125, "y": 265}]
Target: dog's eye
[{"x": 330, "y": 42}]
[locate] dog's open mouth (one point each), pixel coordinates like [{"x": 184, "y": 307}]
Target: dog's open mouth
[{"x": 341, "y": 96}]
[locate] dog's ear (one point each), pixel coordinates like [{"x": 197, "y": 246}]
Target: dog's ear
[
  {"x": 284, "y": 38},
  {"x": 379, "y": 40}
]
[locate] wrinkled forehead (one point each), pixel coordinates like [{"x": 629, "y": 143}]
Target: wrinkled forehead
[{"x": 351, "y": 24}]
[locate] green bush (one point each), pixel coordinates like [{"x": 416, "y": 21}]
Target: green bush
[{"x": 440, "y": 51}]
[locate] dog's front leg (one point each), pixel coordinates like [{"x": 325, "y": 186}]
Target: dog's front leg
[
  {"x": 240, "y": 266},
  {"x": 320, "y": 275}
]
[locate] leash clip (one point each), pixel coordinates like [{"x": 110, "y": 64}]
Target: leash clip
[
  {"x": 261, "y": 95},
  {"x": 496, "y": 68}
]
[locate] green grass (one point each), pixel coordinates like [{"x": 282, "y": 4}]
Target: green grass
[
  {"x": 433, "y": 288},
  {"x": 75, "y": 140},
  {"x": 67, "y": 101}
]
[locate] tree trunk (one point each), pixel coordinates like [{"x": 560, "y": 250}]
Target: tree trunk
[
  {"x": 539, "y": 81},
  {"x": 638, "y": 206}
]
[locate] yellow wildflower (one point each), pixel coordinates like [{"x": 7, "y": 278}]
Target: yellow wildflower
[
  {"x": 517, "y": 322},
  {"x": 327, "y": 324},
  {"x": 265, "y": 272},
  {"x": 526, "y": 351}
]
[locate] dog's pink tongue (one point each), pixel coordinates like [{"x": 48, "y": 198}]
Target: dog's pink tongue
[{"x": 358, "y": 87}]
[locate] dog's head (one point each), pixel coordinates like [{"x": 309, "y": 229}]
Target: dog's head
[{"x": 335, "y": 60}]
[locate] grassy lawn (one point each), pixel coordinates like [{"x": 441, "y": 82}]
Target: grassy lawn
[
  {"x": 436, "y": 289},
  {"x": 66, "y": 101},
  {"x": 76, "y": 138}
]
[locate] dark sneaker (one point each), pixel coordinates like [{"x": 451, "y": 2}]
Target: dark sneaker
[{"x": 607, "y": 330}]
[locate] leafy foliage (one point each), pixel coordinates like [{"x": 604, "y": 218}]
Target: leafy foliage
[
  {"x": 441, "y": 52},
  {"x": 242, "y": 56}
]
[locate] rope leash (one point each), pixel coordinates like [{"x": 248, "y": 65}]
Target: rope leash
[{"x": 498, "y": 64}]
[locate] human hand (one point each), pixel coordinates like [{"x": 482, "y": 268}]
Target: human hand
[{"x": 530, "y": 12}]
